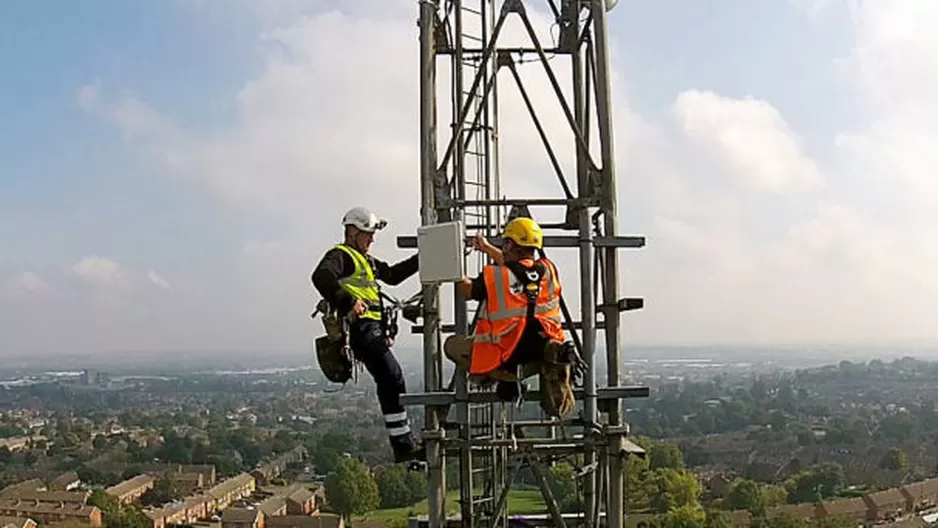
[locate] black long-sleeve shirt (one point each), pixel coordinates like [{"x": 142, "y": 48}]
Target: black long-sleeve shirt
[{"x": 337, "y": 264}]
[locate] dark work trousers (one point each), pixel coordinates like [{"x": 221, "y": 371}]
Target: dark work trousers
[
  {"x": 369, "y": 346},
  {"x": 529, "y": 348}
]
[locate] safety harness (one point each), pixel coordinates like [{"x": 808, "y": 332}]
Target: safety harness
[{"x": 530, "y": 278}]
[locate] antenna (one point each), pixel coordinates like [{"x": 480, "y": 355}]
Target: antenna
[{"x": 493, "y": 440}]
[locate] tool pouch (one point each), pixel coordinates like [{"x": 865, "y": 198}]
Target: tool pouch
[{"x": 332, "y": 350}]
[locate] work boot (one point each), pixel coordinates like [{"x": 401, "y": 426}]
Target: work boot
[{"x": 413, "y": 451}]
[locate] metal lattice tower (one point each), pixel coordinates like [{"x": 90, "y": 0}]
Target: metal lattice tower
[{"x": 463, "y": 183}]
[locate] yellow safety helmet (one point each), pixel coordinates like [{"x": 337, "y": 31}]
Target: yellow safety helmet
[{"x": 525, "y": 232}]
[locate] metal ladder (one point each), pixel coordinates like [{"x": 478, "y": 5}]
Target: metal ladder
[{"x": 479, "y": 181}]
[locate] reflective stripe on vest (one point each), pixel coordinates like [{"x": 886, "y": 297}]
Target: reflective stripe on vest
[
  {"x": 361, "y": 283},
  {"x": 503, "y": 284},
  {"x": 503, "y": 316}
]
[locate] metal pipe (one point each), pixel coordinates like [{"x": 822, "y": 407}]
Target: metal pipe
[
  {"x": 431, "y": 294},
  {"x": 616, "y": 488}
]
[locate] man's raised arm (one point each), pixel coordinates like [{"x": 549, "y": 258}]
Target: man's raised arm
[{"x": 397, "y": 273}]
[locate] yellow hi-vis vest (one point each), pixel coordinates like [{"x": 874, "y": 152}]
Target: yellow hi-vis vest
[{"x": 361, "y": 283}]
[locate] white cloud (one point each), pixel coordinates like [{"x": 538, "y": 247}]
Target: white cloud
[
  {"x": 750, "y": 139},
  {"x": 160, "y": 282},
  {"x": 26, "y": 284},
  {"x": 100, "y": 270}
]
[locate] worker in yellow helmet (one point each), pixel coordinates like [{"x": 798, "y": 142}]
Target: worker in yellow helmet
[{"x": 519, "y": 330}]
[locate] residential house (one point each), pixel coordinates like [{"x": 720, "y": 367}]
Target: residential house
[
  {"x": 232, "y": 489},
  {"x": 27, "y": 485},
  {"x": 265, "y": 473},
  {"x": 854, "y": 508},
  {"x": 65, "y": 482},
  {"x": 199, "y": 506},
  {"x": 921, "y": 495},
  {"x": 805, "y": 510},
  {"x": 42, "y": 512},
  {"x": 71, "y": 498},
  {"x": 325, "y": 520},
  {"x": 132, "y": 488},
  {"x": 177, "y": 471},
  {"x": 17, "y": 522},
  {"x": 719, "y": 485},
  {"x": 185, "y": 511},
  {"x": 887, "y": 504},
  {"x": 301, "y": 501},
  {"x": 206, "y": 470},
  {"x": 189, "y": 482},
  {"x": 242, "y": 518},
  {"x": 17, "y": 443},
  {"x": 273, "y": 506}
]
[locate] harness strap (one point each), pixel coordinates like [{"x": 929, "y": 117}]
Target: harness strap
[{"x": 530, "y": 279}]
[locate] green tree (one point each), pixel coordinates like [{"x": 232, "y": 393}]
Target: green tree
[
  {"x": 416, "y": 485},
  {"x": 562, "y": 485},
  {"x": 637, "y": 486},
  {"x": 392, "y": 487},
  {"x": 283, "y": 441},
  {"x": 894, "y": 459},
  {"x": 351, "y": 489},
  {"x": 718, "y": 519},
  {"x": 164, "y": 490},
  {"x": 774, "y": 495},
  {"x": 816, "y": 483},
  {"x": 686, "y": 516},
  {"x": 117, "y": 515},
  {"x": 673, "y": 488},
  {"x": 664, "y": 455},
  {"x": 746, "y": 495},
  {"x": 325, "y": 460}
]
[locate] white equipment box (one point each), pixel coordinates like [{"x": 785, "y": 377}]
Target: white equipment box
[{"x": 440, "y": 248}]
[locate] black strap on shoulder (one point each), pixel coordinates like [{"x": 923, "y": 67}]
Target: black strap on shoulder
[{"x": 530, "y": 278}]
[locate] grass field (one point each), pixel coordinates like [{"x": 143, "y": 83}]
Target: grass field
[{"x": 519, "y": 501}]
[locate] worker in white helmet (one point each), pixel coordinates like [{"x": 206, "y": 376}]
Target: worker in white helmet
[{"x": 346, "y": 277}]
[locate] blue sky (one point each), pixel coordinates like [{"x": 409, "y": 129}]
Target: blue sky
[{"x": 214, "y": 146}]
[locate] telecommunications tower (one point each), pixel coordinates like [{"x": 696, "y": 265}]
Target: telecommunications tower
[{"x": 492, "y": 441}]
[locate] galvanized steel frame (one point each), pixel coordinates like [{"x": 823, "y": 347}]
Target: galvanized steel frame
[{"x": 444, "y": 197}]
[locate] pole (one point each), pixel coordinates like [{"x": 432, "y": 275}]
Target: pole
[
  {"x": 616, "y": 500},
  {"x": 431, "y": 293}
]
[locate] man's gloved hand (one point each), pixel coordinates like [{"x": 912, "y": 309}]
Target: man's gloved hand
[{"x": 576, "y": 361}]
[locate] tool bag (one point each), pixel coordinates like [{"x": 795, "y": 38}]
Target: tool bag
[{"x": 333, "y": 352}]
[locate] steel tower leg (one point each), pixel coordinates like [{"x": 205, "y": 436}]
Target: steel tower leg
[
  {"x": 431, "y": 293},
  {"x": 617, "y": 456}
]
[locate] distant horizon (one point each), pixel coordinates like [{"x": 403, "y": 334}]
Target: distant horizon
[
  {"x": 212, "y": 360},
  {"x": 406, "y": 349}
]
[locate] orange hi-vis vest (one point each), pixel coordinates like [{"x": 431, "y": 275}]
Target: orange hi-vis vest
[{"x": 503, "y": 315}]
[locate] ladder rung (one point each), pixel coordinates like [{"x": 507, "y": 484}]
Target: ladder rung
[
  {"x": 471, "y": 10},
  {"x": 471, "y": 37}
]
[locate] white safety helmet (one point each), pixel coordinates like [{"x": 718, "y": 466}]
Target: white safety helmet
[{"x": 363, "y": 219}]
